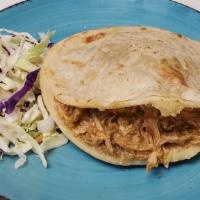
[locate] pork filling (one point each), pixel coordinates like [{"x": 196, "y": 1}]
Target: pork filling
[{"x": 137, "y": 133}]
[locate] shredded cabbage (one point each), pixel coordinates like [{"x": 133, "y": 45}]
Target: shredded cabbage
[
  {"x": 34, "y": 54},
  {"x": 25, "y": 124},
  {"x": 31, "y": 115},
  {"x": 25, "y": 65},
  {"x": 15, "y": 133},
  {"x": 47, "y": 124},
  {"x": 53, "y": 141},
  {"x": 7, "y": 83},
  {"x": 21, "y": 161}
]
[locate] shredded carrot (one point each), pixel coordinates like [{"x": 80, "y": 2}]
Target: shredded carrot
[{"x": 39, "y": 138}]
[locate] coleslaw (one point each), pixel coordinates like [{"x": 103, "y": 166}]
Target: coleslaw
[{"x": 25, "y": 124}]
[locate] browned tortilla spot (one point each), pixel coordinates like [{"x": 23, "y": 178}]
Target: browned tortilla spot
[
  {"x": 179, "y": 35},
  {"x": 143, "y": 28},
  {"x": 89, "y": 77},
  {"x": 92, "y": 38},
  {"x": 74, "y": 62},
  {"x": 120, "y": 66},
  {"x": 171, "y": 70}
]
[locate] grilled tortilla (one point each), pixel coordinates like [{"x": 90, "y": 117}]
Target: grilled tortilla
[{"x": 126, "y": 95}]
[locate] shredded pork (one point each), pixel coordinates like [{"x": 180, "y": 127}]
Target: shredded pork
[{"x": 138, "y": 132}]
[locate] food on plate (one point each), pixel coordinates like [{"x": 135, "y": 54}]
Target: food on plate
[
  {"x": 126, "y": 95},
  {"x": 25, "y": 123}
]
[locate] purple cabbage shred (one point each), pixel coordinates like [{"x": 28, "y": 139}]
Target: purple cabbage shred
[
  {"x": 6, "y": 50},
  {"x": 50, "y": 44},
  {"x": 10, "y": 103}
]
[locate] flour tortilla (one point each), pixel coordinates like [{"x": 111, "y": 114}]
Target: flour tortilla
[{"x": 120, "y": 67}]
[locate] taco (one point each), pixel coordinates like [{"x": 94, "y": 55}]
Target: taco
[{"x": 126, "y": 95}]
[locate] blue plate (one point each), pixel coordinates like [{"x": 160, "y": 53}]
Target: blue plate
[{"x": 72, "y": 174}]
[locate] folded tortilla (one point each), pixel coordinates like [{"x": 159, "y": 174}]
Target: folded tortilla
[{"x": 126, "y": 95}]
